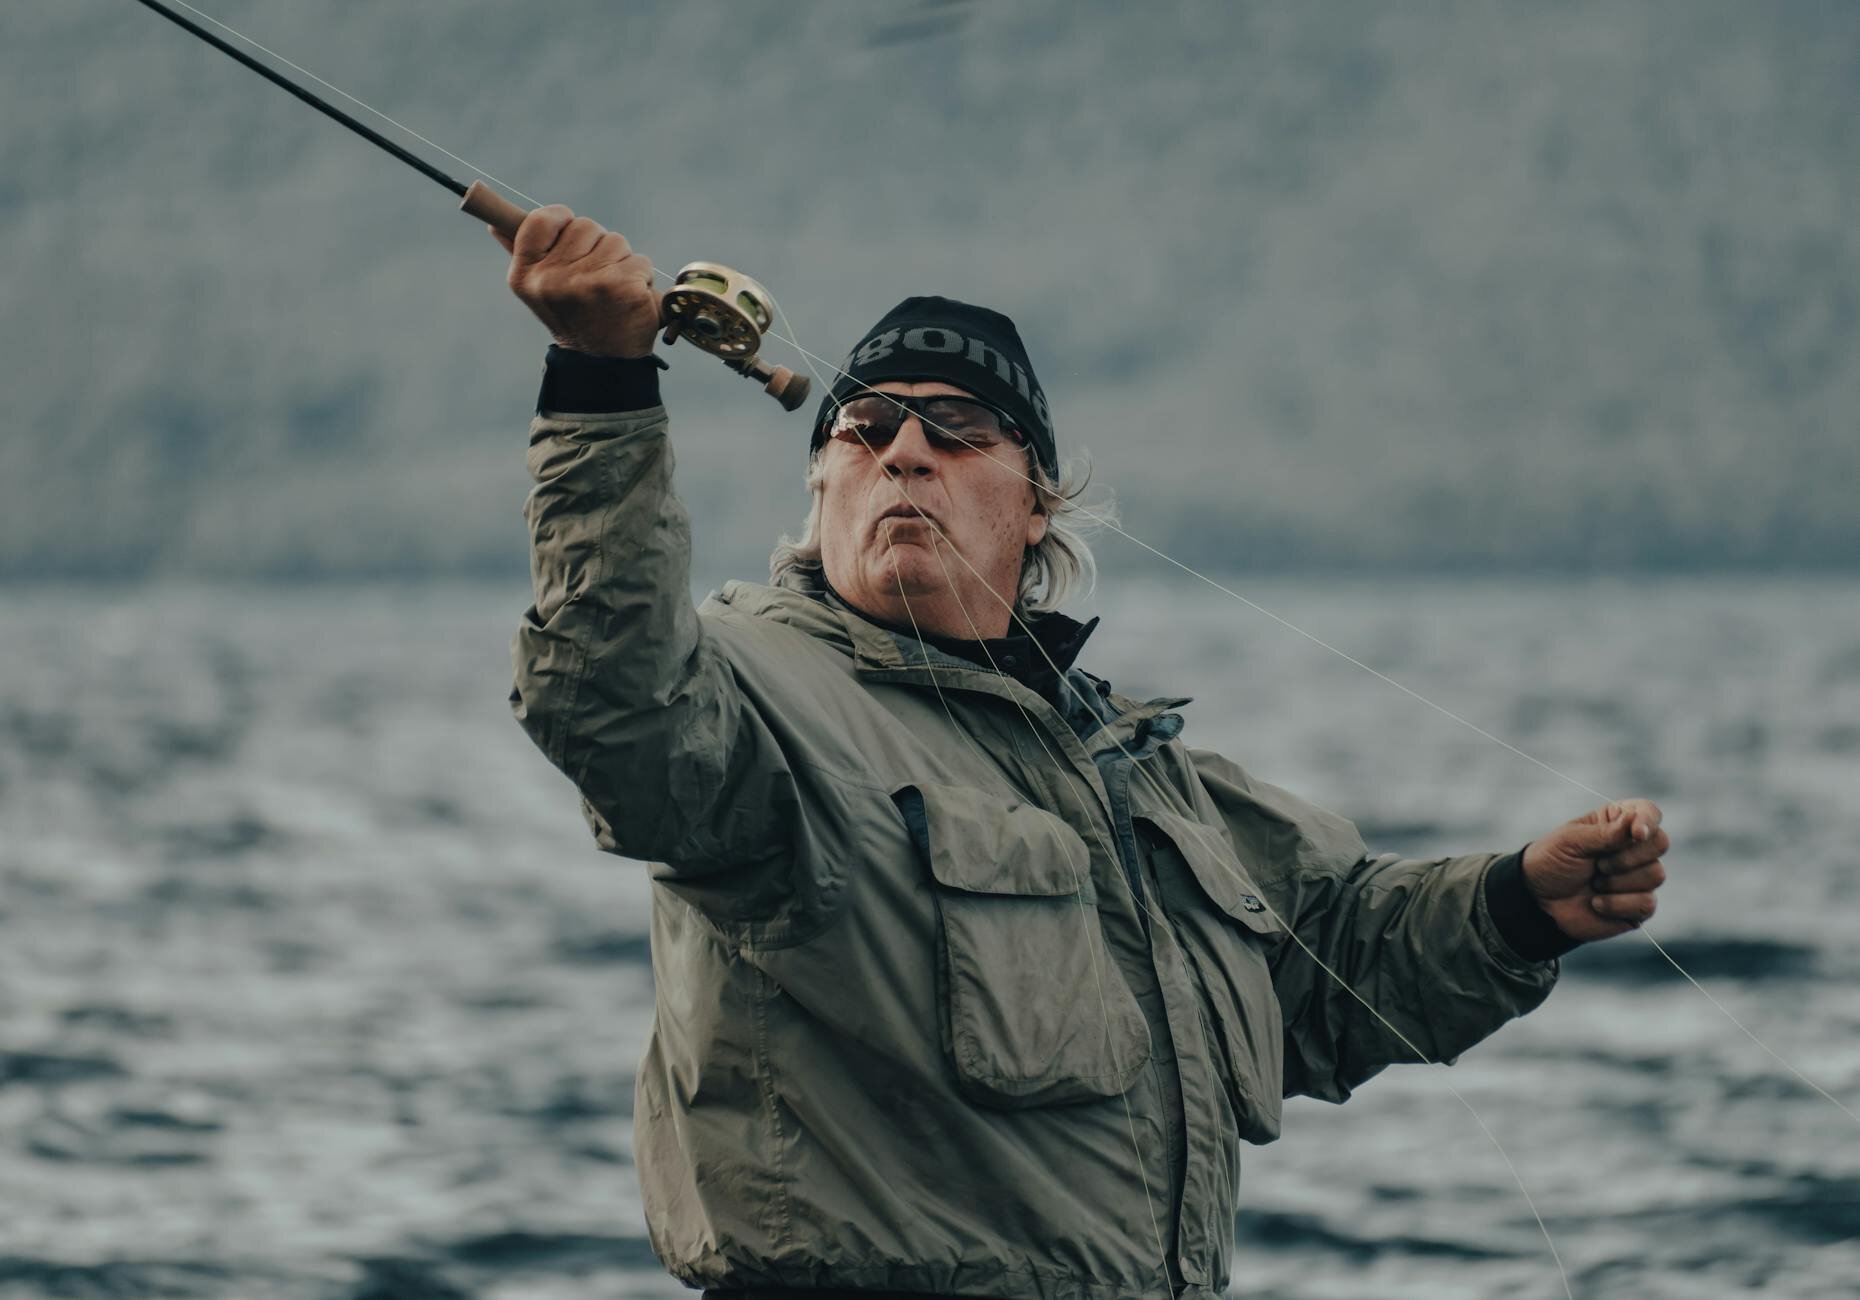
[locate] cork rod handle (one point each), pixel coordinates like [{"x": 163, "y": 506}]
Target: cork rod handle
[{"x": 492, "y": 208}]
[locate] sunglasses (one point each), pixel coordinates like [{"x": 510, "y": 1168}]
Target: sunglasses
[{"x": 949, "y": 423}]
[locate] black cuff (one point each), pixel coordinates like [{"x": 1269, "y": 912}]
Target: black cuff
[
  {"x": 577, "y": 383},
  {"x": 1521, "y": 922}
]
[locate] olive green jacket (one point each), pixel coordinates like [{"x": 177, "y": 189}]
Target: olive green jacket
[{"x": 955, "y": 993}]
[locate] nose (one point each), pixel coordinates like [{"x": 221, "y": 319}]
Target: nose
[{"x": 910, "y": 453}]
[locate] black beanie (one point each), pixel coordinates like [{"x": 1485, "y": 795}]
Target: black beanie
[{"x": 971, "y": 347}]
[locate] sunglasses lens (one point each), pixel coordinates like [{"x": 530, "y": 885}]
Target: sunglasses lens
[
  {"x": 870, "y": 420},
  {"x": 950, "y": 423},
  {"x": 967, "y": 422}
]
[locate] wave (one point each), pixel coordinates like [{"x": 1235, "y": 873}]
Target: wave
[
  {"x": 1707, "y": 957},
  {"x": 553, "y": 1250},
  {"x": 52, "y": 1068},
  {"x": 607, "y": 947},
  {"x": 1293, "y": 1230}
]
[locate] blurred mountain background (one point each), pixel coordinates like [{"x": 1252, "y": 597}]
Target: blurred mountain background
[{"x": 1347, "y": 286}]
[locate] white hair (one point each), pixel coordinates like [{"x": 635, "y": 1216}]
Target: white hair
[{"x": 1052, "y": 570}]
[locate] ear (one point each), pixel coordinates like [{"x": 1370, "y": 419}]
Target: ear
[{"x": 1037, "y": 522}]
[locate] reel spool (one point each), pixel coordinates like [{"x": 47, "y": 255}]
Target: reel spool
[{"x": 726, "y": 313}]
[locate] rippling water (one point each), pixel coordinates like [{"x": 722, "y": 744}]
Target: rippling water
[{"x": 313, "y": 985}]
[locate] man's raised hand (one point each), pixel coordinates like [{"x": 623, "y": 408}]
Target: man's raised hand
[{"x": 583, "y": 282}]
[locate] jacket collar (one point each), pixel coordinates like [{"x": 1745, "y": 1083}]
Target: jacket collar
[
  {"x": 1037, "y": 650},
  {"x": 802, "y": 599}
]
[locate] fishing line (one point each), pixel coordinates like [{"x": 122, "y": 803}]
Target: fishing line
[
  {"x": 1086, "y": 921},
  {"x": 1113, "y": 858},
  {"x": 1640, "y": 927},
  {"x": 1111, "y": 855},
  {"x": 1740, "y": 1024},
  {"x": 1156, "y": 786}
]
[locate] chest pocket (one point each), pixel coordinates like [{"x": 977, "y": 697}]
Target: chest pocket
[
  {"x": 1034, "y": 1011},
  {"x": 1228, "y": 934}
]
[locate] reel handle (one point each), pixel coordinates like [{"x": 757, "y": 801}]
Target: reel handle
[{"x": 779, "y": 382}]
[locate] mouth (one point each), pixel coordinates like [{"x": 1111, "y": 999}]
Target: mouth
[{"x": 905, "y": 510}]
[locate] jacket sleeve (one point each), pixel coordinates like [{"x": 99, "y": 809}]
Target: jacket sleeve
[
  {"x": 616, "y": 680},
  {"x": 1415, "y": 938}
]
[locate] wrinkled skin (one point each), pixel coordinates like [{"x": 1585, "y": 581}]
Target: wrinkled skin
[
  {"x": 954, "y": 574},
  {"x": 1596, "y": 875}
]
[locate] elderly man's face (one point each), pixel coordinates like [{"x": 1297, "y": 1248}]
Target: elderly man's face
[{"x": 882, "y": 556}]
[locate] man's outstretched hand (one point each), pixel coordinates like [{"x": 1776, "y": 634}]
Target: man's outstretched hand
[{"x": 1596, "y": 875}]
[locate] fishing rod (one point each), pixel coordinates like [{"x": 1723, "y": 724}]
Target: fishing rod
[{"x": 720, "y": 310}]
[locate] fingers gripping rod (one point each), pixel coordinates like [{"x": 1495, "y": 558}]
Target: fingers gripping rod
[
  {"x": 719, "y": 310},
  {"x": 724, "y": 312}
]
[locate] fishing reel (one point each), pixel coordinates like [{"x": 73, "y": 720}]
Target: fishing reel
[{"x": 726, "y": 313}]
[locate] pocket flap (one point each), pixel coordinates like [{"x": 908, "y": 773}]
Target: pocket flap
[
  {"x": 1217, "y": 869},
  {"x": 984, "y": 844}
]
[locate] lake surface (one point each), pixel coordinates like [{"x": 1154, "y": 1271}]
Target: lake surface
[{"x": 312, "y": 983}]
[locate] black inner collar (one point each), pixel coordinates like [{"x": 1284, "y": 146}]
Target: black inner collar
[{"x": 1017, "y": 655}]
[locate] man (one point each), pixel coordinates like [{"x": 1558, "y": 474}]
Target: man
[{"x": 971, "y": 977}]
